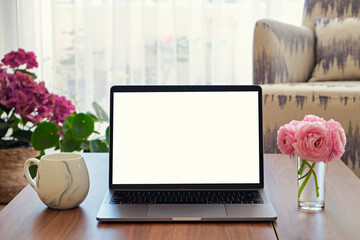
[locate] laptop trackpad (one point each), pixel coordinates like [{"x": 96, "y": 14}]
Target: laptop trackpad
[{"x": 186, "y": 210}]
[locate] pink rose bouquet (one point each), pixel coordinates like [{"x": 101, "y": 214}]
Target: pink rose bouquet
[{"x": 312, "y": 139}]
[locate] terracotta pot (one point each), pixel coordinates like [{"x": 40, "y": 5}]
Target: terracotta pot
[{"x": 12, "y": 179}]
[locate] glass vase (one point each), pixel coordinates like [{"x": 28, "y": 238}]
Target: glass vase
[{"x": 311, "y": 184}]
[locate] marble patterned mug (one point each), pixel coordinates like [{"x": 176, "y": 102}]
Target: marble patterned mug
[{"x": 62, "y": 179}]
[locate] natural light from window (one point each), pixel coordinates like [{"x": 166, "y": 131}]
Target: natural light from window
[{"x": 84, "y": 46}]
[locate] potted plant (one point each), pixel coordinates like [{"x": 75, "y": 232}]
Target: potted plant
[{"x": 32, "y": 120}]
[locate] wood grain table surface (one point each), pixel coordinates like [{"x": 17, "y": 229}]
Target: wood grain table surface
[
  {"x": 339, "y": 220},
  {"x": 26, "y": 217}
]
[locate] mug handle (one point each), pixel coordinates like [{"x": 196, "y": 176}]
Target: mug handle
[{"x": 27, "y": 173}]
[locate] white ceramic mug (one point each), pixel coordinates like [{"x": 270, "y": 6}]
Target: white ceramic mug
[{"x": 62, "y": 179}]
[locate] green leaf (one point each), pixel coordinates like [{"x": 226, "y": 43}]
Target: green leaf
[
  {"x": 45, "y": 136},
  {"x": 23, "y": 121},
  {"x": 6, "y": 125},
  {"x": 83, "y": 125},
  {"x": 108, "y": 136},
  {"x": 98, "y": 146},
  {"x": 33, "y": 169},
  {"x": 16, "y": 121},
  {"x": 23, "y": 135},
  {"x": 85, "y": 145},
  {"x": 3, "y": 132},
  {"x": 67, "y": 125},
  {"x": 93, "y": 116},
  {"x": 5, "y": 109},
  {"x": 57, "y": 147},
  {"x": 42, "y": 153},
  {"x": 27, "y": 72},
  {"x": 101, "y": 114},
  {"x": 70, "y": 143}
]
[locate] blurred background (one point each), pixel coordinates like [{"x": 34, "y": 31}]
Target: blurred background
[{"x": 85, "y": 46}]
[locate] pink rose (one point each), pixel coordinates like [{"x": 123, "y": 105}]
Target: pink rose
[
  {"x": 313, "y": 141},
  {"x": 313, "y": 118},
  {"x": 286, "y": 138},
  {"x": 338, "y": 139},
  {"x": 294, "y": 122}
]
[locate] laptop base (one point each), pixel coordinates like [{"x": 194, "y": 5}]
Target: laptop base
[{"x": 185, "y": 212}]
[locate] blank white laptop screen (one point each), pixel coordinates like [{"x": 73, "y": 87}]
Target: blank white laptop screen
[{"x": 186, "y": 138}]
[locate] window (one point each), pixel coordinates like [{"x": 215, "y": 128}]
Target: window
[{"x": 85, "y": 46}]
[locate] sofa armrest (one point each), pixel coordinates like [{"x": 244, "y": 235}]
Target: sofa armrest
[{"x": 282, "y": 52}]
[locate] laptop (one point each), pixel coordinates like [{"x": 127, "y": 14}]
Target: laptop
[{"x": 186, "y": 153}]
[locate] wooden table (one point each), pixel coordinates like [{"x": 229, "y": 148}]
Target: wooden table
[
  {"x": 26, "y": 217},
  {"x": 339, "y": 220}
]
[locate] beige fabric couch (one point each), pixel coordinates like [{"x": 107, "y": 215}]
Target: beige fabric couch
[{"x": 285, "y": 57}]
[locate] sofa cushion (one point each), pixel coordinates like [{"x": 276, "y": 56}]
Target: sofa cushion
[
  {"x": 330, "y": 100},
  {"x": 328, "y": 8},
  {"x": 337, "y": 49}
]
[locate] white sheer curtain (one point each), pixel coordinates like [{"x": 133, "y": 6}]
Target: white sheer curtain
[{"x": 85, "y": 46}]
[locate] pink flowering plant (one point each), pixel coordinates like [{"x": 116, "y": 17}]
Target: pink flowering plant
[
  {"x": 31, "y": 115},
  {"x": 314, "y": 140}
]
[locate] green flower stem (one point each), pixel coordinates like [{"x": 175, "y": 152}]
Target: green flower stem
[
  {"x": 305, "y": 175},
  {"x": 316, "y": 183},
  {"x": 301, "y": 169},
  {"x": 307, "y": 164},
  {"x": 306, "y": 179},
  {"x": 315, "y": 179}
]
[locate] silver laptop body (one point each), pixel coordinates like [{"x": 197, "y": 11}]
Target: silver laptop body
[{"x": 185, "y": 140}]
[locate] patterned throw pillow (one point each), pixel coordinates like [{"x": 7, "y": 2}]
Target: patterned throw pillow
[{"x": 337, "y": 49}]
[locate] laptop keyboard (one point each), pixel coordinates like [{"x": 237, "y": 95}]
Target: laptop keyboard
[{"x": 187, "y": 197}]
